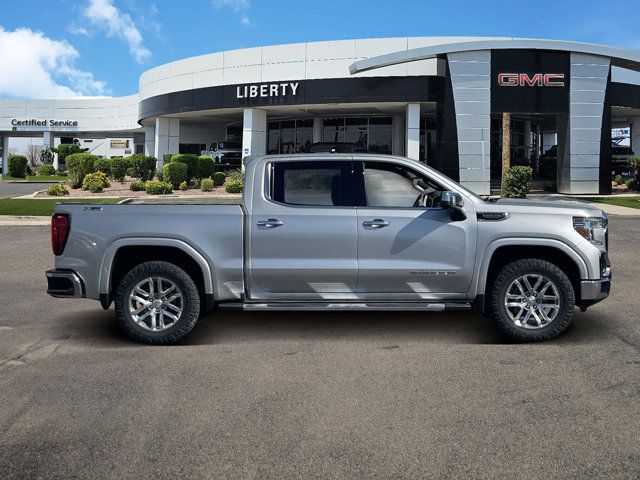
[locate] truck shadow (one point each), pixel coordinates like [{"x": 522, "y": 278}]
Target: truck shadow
[{"x": 99, "y": 328}]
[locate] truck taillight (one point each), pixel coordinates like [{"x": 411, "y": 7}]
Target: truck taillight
[{"x": 60, "y": 223}]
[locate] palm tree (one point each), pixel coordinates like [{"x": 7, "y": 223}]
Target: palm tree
[{"x": 506, "y": 147}]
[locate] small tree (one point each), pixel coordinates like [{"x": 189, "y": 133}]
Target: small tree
[
  {"x": 65, "y": 150},
  {"x": 506, "y": 148},
  {"x": 634, "y": 166},
  {"x": 33, "y": 154}
]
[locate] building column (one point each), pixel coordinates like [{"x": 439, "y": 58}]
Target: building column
[
  {"x": 397, "y": 136},
  {"x": 150, "y": 141},
  {"x": 579, "y": 168},
  {"x": 317, "y": 130},
  {"x": 254, "y": 132},
  {"x": 412, "y": 131},
  {"x": 471, "y": 85},
  {"x": 5, "y": 155},
  {"x": 166, "y": 138}
]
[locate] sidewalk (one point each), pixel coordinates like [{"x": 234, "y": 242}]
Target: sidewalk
[{"x": 605, "y": 207}]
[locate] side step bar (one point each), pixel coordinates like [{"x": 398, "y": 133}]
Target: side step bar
[{"x": 351, "y": 306}]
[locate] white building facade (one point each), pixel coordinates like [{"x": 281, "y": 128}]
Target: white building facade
[{"x": 437, "y": 100}]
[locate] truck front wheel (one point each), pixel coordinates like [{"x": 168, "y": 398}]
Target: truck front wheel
[
  {"x": 531, "y": 300},
  {"x": 157, "y": 302}
]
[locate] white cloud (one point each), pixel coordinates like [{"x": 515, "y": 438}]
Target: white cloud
[
  {"x": 103, "y": 14},
  {"x": 35, "y": 66},
  {"x": 235, "y": 5},
  {"x": 78, "y": 30},
  {"x": 238, "y": 6}
]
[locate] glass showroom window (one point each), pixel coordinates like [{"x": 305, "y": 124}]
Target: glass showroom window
[
  {"x": 289, "y": 136},
  {"x": 373, "y": 133}
]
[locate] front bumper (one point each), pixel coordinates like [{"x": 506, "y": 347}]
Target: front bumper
[
  {"x": 64, "y": 284},
  {"x": 594, "y": 291}
]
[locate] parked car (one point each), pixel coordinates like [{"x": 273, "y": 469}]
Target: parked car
[
  {"x": 228, "y": 152},
  {"x": 337, "y": 147},
  {"x": 335, "y": 232}
]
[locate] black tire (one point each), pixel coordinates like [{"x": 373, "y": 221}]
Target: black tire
[
  {"x": 190, "y": 306},
  {"x": 497, "y": 312}
]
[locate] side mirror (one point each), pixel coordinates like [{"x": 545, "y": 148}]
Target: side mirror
[{"x": 453, "y": 202}]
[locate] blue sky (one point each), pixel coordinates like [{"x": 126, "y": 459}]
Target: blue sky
[{"x": 65, "y": 48}]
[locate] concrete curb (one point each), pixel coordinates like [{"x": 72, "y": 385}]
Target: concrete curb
[{"x": 18, "y": 220}]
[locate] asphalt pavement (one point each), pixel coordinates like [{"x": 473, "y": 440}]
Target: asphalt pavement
[
  {"x": 14, "y": 189},
  {"x": 314, "y": 395}
]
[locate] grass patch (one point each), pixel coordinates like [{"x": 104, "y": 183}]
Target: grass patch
[
  {"x": 38, "y": 178},
  {"x": 44, "y": 207},
  {"x": 631, "y": 202}
]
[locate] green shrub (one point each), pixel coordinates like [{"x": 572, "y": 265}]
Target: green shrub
[
  {"x": 29, "y": 171},
  {"x": 183, "y": 186},
  {"x": 46, "y": 169},
  {"x": 98, "y": 178},
  {"x": 143, "y": 167},
  {"x": 158, "y": 188},
  {"x": 137, "y": 186},
  {"x": 219, "y": 178},
  {"x": 94, "y": 186},
  {"x": 17, "y": 166},
  {"x": 235, "y": 174},
  {"x": 205, "y": 167},
  {"x": 79, "y": 165},
  {"x": 119, "y": 167},
  {"x": 175, "y": 173},
  {"x": 190, "y": 160},
  {"x": 632, "y": 184},
  {"x": 234, "y": 186},
  {"x": 65, "y": 150},
  {"x": 102, "y": 165},
  {"x": 160, "y": 175},
  {"x": 517, "y": 182},
  {"x": 57, "y": 190},
  {"x": 617, "y": 179},
  {"x": 206, "y": 184},
  {"x": 166, "y": 158}
]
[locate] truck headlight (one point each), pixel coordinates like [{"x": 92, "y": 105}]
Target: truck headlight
[{"x": 593, "y": 229}]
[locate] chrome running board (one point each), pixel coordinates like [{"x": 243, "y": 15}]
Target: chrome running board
[{"x": 351, "y": 306}]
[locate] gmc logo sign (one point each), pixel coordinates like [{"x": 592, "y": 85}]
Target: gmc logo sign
[{"x": 537, "y": 80}]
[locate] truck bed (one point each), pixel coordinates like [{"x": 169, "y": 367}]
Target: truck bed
[{"x": 214, "y": 231}]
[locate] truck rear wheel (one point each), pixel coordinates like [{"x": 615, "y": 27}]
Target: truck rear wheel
[
  {"x": 531, "y": 300},
  {"x": 157, "y": 302}
]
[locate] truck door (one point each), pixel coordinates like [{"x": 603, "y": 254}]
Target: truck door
[
  {"x": 302, "y": 232},
  {"x": 408, "y": 246}
]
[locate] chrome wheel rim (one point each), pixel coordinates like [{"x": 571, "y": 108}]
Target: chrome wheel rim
[
  {"x": 156, "y": 304},
  {"x": 532, "y": 301}
]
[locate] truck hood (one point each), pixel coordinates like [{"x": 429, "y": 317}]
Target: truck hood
[{"x": 523, "y": 205}]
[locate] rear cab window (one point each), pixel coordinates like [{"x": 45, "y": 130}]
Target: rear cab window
[{"x": 313, "y": 183}]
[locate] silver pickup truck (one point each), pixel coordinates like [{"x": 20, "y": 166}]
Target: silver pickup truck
[{"x": 335, "y": 232}]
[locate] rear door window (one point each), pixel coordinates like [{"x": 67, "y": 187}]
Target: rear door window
[{"x": 313, "y": 183}]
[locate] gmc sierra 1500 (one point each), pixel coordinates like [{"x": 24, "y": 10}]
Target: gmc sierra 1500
[{"x": 335, "y": 232}]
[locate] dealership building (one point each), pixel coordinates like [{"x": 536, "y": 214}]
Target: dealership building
[{"x": 437, "y": 100}]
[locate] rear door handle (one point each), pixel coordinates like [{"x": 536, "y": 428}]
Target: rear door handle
[
  {"x": 375, "y": 224},
  {"x": 270, "y": 223}
]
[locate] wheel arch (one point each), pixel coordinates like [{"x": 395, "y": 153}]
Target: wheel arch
[
  {"x": 503, "y": 251},
  {"x": 133, "y": 251}
]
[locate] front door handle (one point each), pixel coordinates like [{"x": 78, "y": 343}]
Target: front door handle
[
  {"x": 270, "y": 223},
  {"x": 375, "y": 224}
]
